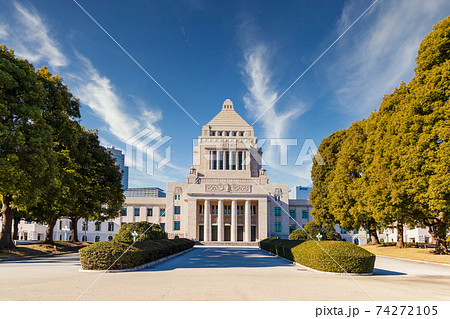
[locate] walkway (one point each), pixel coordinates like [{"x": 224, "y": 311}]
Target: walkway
[{"x": 220, "y": 273}]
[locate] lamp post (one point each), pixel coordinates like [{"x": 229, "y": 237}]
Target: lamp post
[
  {"x": 319, "y": 236},
  {"x": 66, "y": 230},
  {"x": 134, "y": 234}
]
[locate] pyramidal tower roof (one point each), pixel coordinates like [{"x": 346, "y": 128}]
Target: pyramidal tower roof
[{"x": 228, "y": 116}]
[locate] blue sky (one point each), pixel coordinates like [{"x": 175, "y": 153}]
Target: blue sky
[{"x": 202, "y": 52}]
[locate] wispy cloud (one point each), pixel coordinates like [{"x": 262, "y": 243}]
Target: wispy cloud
[
  {"x": 377, "y": 55},
  {"x": 262, "y": 92},
  {"x": 32, "y": 39}
]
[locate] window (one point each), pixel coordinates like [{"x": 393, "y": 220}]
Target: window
[
  {"x": 343, "y": 231},
  {"x": 177, "y": 197},
  {"x": 84, "y": 226},
  {"x": 60, "y": 224},
  {"x": 98, "y": 226},
  {"x": 83, "y": 238},
  {"x": 176, "y": 225},
  {"x": 277, "y": 227},
  {"x": 149, "y": 211},
  {"x": 277, "y": 211},
  {"x": 305, "y": 214},
  {"x": 241, "y": 133},
  {"x": 234, "y": 133},
  {"x": 200, "y": 209},
  {"x": 227, "y": 133},
  {"x": 123, "y": 223},
  {"x": 109, "y": 238},
  {"x": 137, "y": 211},
  {"x": 292, "y": 213},
  {"x": 162, "y": 212},
  {"x": 176, "y": 210},
  {"x": 277, "y": 198},
  {"x": 163, "y": 226},
  {"x": 291, "y": 228},
  {"x": 212, "y": 133},
  {"x": 219, "y": 133},
  {"x": 124, "y": 211},
  {"x": 356, "y": 232},
  {"x": 111, "y": 226},
  {"x": 253, "y": 212},
  {"x": 97, "y": 239}
]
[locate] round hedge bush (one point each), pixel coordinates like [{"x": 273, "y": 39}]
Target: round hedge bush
[
  {"x": 149, "y": 231},
  {"x": 114, "y": 254},
  {"x": 350, "y": 257}
]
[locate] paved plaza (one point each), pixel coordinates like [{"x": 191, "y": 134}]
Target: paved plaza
[{"x": 220, "y": 273}]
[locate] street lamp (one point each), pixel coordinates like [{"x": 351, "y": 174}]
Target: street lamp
[
  {"x": 319, "y": 236},
  {"x": 66, "y": 230},
  {"x": 134, "y": 234}
]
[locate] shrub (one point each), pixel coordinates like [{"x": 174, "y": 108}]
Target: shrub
[
  {"x": 114, "y": 254},
  {"x": 316, "y": 254},
  {"x": 145, "y": 230},
  {"x": 280, "y": 247},
  {"x": 313, "y": 228},
  {"x": 323, "y": 255}
]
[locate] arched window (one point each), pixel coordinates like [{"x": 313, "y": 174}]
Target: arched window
[
  {"x": 109, "y": 238},
  {"x": 356, "y": 241},
  {"x": 97, "y": 239}
]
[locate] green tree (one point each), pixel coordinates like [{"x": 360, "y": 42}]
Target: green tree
[
  {"x": 25, "y": 139},
  {"x": 322, "y": 174}
]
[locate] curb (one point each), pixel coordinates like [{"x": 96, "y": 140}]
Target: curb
[
  {"x": 37, "y": 256},
  {"x": 417, "y": 261},
  {"x": 318, "y": 271},
  {"x": 140, "y": 267}
]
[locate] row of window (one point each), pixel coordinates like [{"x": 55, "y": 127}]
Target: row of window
[
  {"x": 227, "y": 209},
  {"x": 226, "y": 133},
  {"x": 343, "y": 231},
  {"x": 227, "y": 160},
  {"x": 305, "y": 214},
  {"x": 137, "y": 211}
]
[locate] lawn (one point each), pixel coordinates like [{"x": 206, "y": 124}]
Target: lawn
[
  {"x": 422, "y": 254},
  {"x": 41, "y": 249}
]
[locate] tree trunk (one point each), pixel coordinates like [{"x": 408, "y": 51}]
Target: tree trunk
[
  {"x": 7, "y": 218},
  {"x": 49, "y": 233},
  {"x": 400, "y": 243},
  {"x": 373, "y": 234},
  {"x": 74, "y": 229},
  {"x": 438, "y": 231},
  {"x": 16, "y": 228}
]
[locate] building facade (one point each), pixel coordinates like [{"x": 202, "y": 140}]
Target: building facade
[{"x": 119, "y": 157}]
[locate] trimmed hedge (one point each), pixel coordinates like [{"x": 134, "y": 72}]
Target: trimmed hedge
[
  {"x": 280, "y": 247},
  {"x": 145, "y": 230},
  {"x": 106, "y": 254},
  {"x": 316, "y": 254}
]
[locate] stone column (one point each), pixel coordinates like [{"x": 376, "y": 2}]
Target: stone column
[
  {"x": 220, "y": 221},
  {"x": 248, "y": 222},
  {"x": 233, "y": 220},
  {"x": 207, "y": 222}
]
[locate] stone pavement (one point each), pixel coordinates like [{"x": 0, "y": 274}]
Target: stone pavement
[{"x": 220, "y": 273}]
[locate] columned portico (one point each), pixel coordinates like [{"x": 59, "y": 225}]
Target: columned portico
[
  {"x": 220, "y": 224},
  {"x": 233, "y": 220},
  {"x": 207, "y": 222}
]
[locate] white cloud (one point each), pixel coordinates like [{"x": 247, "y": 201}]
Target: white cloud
[
  {"x": 32, "y": 40},
  {"x": 380, "y": 51},
  {"x": 3, "y": 31}
]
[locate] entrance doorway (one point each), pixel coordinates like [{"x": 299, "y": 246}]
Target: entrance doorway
[
  {"x": 227, "y": 233},
  {"x": 214, "y": 233},
  {"x": 240, "y": 233},
  {"x": 253, "y": 234},
  {"x": 201, "y": 233}
]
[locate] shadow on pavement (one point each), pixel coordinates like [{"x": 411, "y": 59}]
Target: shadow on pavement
[
  {"x": 221, "y": 257},
  {"x": 384, "y": 272}
]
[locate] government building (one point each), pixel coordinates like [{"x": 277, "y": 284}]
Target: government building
[{"x": 226, "y": 197}]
